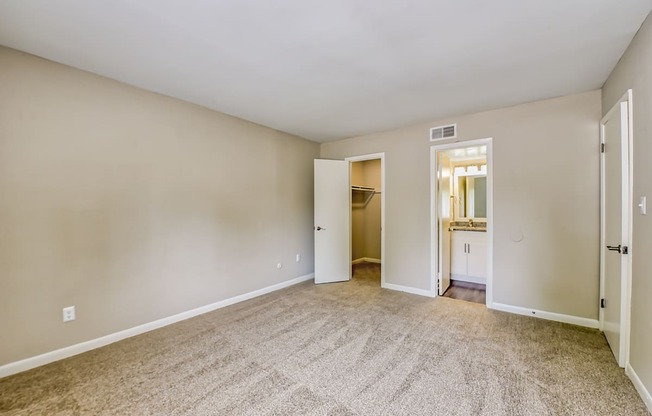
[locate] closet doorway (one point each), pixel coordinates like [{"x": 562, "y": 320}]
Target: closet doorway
[
  {"x": 462, "y": 220},
  {"x": 367, "y": 179}
]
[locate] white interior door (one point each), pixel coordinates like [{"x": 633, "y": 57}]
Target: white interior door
[
  {"x": 444, "y": 176},
  {"x": 332, "y": 221},
  {"x": 615, "y": 200}
]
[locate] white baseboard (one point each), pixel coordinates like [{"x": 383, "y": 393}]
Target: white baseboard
[
  {"x": 366, "y": 260},
  {"x": 640, "y": 387},
  {"x": 56, "y": 355},
  {"x": 551, "y": 316},
  {"x": 408, "y": 289},
  {"x": 469, "y": 279}
]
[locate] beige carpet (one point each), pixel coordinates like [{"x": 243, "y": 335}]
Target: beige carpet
[{"x": 338, "y": 349}]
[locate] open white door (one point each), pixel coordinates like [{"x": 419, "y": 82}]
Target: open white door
[
  {"x": 332, "y": 221},
  {"x": 615, "y": 228},
  {"x": 444, "y": 178}
]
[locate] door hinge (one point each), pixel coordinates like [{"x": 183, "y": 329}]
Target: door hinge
[
  {"x": 602, "y": 303},
  {"x": 602, "y": 147}
]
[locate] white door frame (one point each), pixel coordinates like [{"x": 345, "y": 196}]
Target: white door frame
[
  {"x": 383, "y": 192},
  {"x": 627, "y": 184},
  {"x": 434, "y": 212}
]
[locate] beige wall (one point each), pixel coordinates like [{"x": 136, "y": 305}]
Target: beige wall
[
  {"x": 635, "y": 71},
  {"x": 133, "y": 206},
  {"x": 366, "y": 220},
  {"x": 546, "y": 184}
]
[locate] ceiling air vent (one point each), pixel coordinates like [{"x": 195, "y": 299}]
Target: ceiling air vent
[{"x": 443, "y": 132}]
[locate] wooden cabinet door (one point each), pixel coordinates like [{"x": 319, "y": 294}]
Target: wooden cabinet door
[
  {"x": 458, "y": 253},
  {"x": 477, "y": 255}
]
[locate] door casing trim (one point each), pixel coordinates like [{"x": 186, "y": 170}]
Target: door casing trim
[
  {"x": 383, "y": 192},
  {"x": 434, "y": 217}
]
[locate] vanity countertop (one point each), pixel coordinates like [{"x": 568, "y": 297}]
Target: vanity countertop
[
  {"x": 467, "y": 228},
  {"x": 466, "y": 225}
]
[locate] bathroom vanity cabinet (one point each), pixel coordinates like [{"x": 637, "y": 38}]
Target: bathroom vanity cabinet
[{"x": 469, "y": 256}]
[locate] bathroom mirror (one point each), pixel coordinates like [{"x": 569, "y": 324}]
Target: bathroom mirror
[{"x": 471, "y": 196}]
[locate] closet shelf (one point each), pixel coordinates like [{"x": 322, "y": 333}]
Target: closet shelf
[
  {"x": 362, "y": 188},
  {"x": 368, "y": 191}
]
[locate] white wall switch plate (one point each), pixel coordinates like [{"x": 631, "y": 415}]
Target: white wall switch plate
[
  {"x": 298, "y": 259},
  {"x": 642, "y": 205},
  {"x": 69, "y": 314}
]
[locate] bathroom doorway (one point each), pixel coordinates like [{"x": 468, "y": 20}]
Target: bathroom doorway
[{"x": 462, "y": 220}]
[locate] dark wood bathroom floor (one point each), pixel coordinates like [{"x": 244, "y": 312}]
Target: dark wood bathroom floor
[{"x": 470, "y": 292}]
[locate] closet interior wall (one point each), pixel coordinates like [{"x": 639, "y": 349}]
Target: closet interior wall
[{"x": 366, "y": 210}]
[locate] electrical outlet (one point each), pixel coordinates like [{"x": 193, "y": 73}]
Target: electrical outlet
[
  {"x": 278, "y": 266},
  {"x": 69, "y": 314},
  {"x": 298, "y": 259}
]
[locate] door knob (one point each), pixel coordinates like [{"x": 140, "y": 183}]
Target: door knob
[
  {"x": 619, "y": 248},
  {"x": 319, "y": 228}
]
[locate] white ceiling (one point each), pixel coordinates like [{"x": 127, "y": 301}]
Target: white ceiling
[{"x": 326, "y": 70}]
